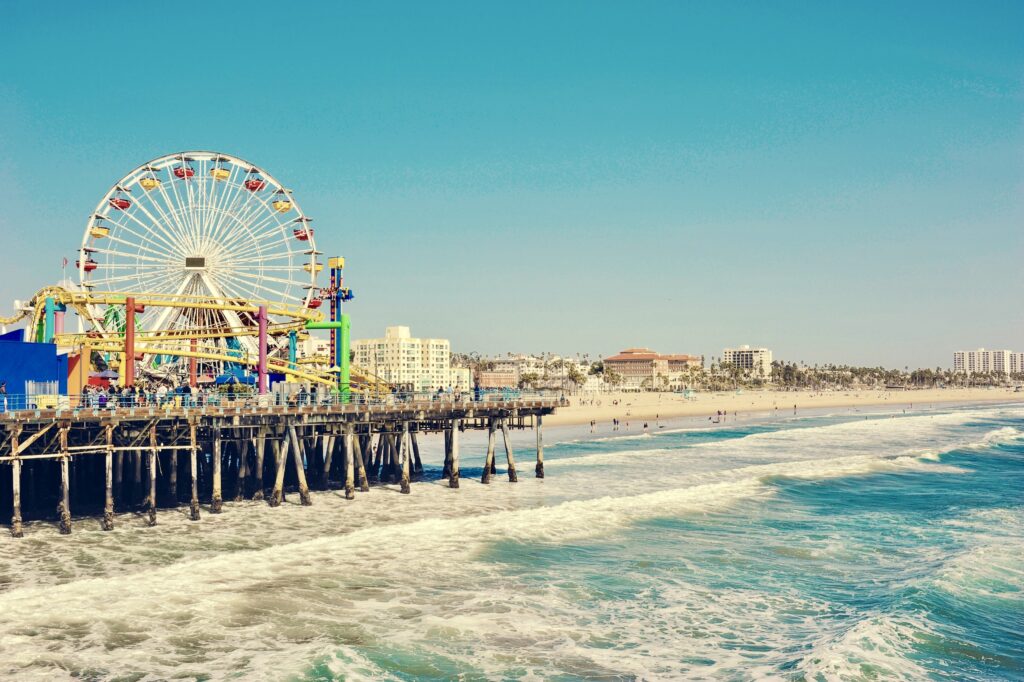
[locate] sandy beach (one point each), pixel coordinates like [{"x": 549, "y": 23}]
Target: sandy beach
[{"x": 640, "y": 407}]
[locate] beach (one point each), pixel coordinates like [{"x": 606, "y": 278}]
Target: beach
[{"x": 636, "y": 408}]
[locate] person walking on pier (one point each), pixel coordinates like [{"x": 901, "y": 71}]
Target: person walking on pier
[{"x": 3, "y": 396}]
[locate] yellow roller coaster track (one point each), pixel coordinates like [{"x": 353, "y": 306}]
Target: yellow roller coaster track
[{"x": 84, "y": 302}]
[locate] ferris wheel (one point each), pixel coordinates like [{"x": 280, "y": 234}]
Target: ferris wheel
[{"x": 197, "y": 226}]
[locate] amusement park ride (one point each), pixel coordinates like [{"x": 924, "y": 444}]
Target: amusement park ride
[{"x": 199, "y": 262}]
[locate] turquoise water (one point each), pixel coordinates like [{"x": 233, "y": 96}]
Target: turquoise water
[{"x": 843, "y": 547}]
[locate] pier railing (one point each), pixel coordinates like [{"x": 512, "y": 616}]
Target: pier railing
[{"x": 14, "y": 405}]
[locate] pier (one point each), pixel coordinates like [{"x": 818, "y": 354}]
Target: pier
[{"x": 97, "y": 462}]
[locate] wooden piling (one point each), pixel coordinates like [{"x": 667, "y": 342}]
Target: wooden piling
[
  {"x": 280, "y": 462},
  {"x": 217, "y": 497},
  {"x": 108, "y": 478},
  {"x": 261, "y": 448},
  {"x": 137, "y": 479},
  {"x": 350, "y": 463},
  {"x": 508, "y": 451},
  {"x": 16, "y": 527},
  {"x": 364, "y": 483},
  {"x": 453, "y": 479},
  {"x": 485, "y": 478},
  {"x": 172, "y": 478},
  {"x": 152, "y": 475},
  {"x": 540, "y": 446},
  {"x": 446, "y": 472},
  {"x": 403, "y": 457},
  {"x": 64, "y": 506},
  {"x": 241, "y": 444},
  {"x": 194, "y": 469},
  {"x": 393, "y": 465},
  {"x": 119, "y": 475},
  {"x": 327, "y": 443},
  {"x": 304, "y": 497},
  {"x": 378, "y": 453},
  {"x": 417, "y": 462}
]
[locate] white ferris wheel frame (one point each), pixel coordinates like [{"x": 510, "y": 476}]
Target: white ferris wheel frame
[{"x": 248, "y": 248}]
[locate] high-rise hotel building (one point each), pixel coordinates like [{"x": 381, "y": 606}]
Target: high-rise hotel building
[{"x": 984, "y": 361}]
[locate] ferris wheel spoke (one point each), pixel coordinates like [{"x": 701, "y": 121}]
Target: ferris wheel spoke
[
  {"x": 253, "y": 287},
  {"x": 260, "y": 277},
  {"x": 152, "y": 233},
  {"x": 151, "y": 282},
  {"x": 161, "y": 223},
  {"x": 256, "y": 248},
  {"x": 182, "y": 229},
  {"x": 258, "y": 231},
  {"x": 159, "y": 258},
  {"x": 261, "y": 203},
  {"x": 234, "y": 198},
  {"x": 181, "y": 206},
  {"x": 219, "y": 203},
  {"x": 271, "y": 214},
  {"x": 142, "y": 243},
  {"x": 167, "y": 219}
]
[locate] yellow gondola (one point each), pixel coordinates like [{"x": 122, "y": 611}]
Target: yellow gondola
[
  {"x": 149, "y": 183},
  {"x": 309, "y": 267},
  {"x": 219, "y": 173},
  {"x": 99, "y": 231},
  {"x": 282, "y": 205}
]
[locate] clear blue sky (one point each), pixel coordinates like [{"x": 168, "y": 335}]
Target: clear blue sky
[{"x": 838, "y": 181}]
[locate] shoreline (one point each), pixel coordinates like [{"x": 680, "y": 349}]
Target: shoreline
[{"x": 636, "y": 408}]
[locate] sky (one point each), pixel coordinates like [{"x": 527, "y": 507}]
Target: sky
[{"x": 840, "y": 182}]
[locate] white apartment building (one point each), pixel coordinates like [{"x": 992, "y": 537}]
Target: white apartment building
[
  {"x": 757, "y": 361},
  {"x": 411, "y": 363},
  {"x": 984, "y": 361},
  {"x": 1016, "y": 363}
]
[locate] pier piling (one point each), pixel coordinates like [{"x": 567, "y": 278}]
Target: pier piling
[
  {"x": 194, "y": 469},
  {"x": 217, "y": 497},
  {"x": 540, "y": 446},
  {"x": 485, "y": 478},
  {"x": 108, "y": 479},
  {"x": 151, "y": 501},
  {"x": 508, "y": 452},
  {"x": 453, "y": 480}
]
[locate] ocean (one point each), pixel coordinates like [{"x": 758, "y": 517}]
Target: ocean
[{"x": 844, "y": 546}]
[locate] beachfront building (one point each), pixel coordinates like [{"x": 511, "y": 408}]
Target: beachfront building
[
  {"x": 644, "y": 368},
  {"x": 984, "y": 361},
  {"x": 753, "y": 361},
  {"x": 411, "y": 363},
  {"x": 544, "y": 371}
]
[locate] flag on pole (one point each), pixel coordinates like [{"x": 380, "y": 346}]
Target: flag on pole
[{"x": 65, "y": 263}]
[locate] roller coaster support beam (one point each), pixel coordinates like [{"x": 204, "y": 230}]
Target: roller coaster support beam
[
  {"x": 292, "y": 349},
  {"x": 48, "y": 320},
  {"x": 128, "y": 367},
  {"x": 340, "y": 335},
  {"x": 344, "y": 329},
  {"x": 261, "y": 368}
]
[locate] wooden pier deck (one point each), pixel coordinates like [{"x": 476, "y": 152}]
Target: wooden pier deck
[{"x": 98, "y": 461}]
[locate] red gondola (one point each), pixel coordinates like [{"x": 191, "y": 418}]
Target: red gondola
[
  {"x": 120, "y": 203},
  {"x": 255, "y": 184},
  {"x": 183, "y": 172},
  {"x": 314, "y": 303},
  {"x": 303, "y": 233},
  {"x": 90, "y": 265}
]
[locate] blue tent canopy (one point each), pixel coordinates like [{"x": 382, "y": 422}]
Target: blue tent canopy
[{"x": 232, "y": 378}]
